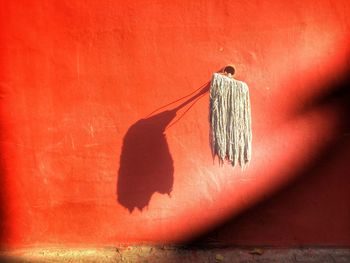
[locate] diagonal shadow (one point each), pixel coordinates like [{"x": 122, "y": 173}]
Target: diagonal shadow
[
  {"x": 258, "y": 223},
  {"x": 146, "y": 165}
]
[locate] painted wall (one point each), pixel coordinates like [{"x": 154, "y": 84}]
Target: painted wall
[{"x": 94, "y": 152}]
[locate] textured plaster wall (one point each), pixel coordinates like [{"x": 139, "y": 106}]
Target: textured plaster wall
[{"x": 84, "y": 162}]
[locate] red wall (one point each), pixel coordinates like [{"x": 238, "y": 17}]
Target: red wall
[{"x": 83, "y": 162}]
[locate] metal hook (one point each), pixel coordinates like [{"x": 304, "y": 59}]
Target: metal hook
[{"x": 229, "y": 70}]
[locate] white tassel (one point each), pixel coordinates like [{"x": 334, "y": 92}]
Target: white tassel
[{"x": 230, "y": 119}]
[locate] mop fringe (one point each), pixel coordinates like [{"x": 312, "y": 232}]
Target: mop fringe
[{"x": 230, "y": 120}]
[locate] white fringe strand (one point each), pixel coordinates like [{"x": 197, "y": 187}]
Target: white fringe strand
[{"x": 230, "y": 120}]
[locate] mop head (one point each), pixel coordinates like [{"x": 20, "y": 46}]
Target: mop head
[{"x": 230, "y": 120}]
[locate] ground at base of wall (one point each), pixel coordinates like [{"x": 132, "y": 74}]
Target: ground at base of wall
[{"x": 169, "y": 254}]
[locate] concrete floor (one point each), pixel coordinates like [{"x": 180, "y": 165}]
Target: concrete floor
[{"x": 165, "y": 254}]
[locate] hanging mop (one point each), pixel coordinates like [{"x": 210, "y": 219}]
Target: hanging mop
[{"x": 230, "y": 119}]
